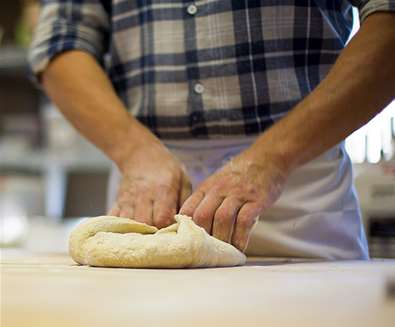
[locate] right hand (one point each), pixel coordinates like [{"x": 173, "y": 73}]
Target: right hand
[{"x": 153, "y": 187}]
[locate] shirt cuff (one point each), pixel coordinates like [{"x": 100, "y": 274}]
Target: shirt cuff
[
  {"x": 52, "y": 40},
  {"x": 369, "y": 7}
]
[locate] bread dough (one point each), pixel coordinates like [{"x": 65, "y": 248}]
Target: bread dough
[{"x": 120, "y": 242}]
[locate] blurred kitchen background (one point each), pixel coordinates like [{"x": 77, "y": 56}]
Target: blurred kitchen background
[{"x": 50, "y": 177}]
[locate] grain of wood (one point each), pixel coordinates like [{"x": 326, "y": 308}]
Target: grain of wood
[{"x": 50, "y": 290}]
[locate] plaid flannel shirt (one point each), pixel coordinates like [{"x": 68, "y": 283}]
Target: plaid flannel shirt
[{"x": 203, "y": 69}]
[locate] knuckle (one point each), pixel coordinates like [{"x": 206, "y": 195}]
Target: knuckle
[
  {"x": 216, "y": 190},
  {"x": 199, "y": 194},
  {"x": 252, "y": 190}
]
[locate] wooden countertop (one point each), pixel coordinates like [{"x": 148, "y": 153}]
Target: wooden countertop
[{"x": 50, "y": 290}]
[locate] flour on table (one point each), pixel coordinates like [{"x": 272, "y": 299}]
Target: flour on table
[{"x": 108, "y": 241}]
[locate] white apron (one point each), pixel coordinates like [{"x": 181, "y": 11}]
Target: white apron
[{"x": 317, "y": 215}]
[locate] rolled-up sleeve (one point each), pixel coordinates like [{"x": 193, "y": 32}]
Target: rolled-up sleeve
[
  {"x": 69, "y": 25},
  {"x": 367, "y": 7}
]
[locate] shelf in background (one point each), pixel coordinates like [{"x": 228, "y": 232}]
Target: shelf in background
[
  {"x": 40, "y": 161},
  {"x": 13, "y": 61}
]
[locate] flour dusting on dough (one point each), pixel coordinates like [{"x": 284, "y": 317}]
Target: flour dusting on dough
[{"x": 108, "y": 241}]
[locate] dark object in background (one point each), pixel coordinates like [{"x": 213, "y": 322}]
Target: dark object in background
[
  {"x": 19, "y": 97},
  {"x": 10, "y": 11},
  {"x": 86, "y": 194},
  {"x": 381, "y": 233},
  {"x": 390, "y": 288}
]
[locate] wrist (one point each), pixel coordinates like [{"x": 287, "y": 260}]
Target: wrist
[
  {"x": 132, "y": 141},
  {"x": 278, "y": 153}
]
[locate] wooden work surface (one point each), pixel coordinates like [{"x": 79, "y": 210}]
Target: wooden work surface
[{"x": 50, "y": 290}]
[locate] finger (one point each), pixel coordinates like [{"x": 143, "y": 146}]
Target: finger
[
  {"x": 204, "y": 213},
  {"x": 114, "y": 211},
  {"x": 126, "y": 210},
  {"x": 143, "y": 210},
  {"x": 165, "y": 207},
  {"x": 246, "y": 218},
  {"x": 125, "y": 203},
  {"x": 225, "y": 218},
  {"x": 190, "y": 204},
  {"x": 186, "y": 191}
]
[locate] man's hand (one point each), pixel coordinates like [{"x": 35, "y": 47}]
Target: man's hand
[
  {"x": 229, "y": 202},
  {"x": 153, "y": 186}
]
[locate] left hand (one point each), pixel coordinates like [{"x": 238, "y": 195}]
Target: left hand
[{"x": 228, "y": 203}]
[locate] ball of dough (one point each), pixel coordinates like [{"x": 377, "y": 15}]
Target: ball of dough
[{"x": 121, "y": 242}]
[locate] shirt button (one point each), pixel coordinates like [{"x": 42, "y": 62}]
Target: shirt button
[
  {"x": 198, "y": 88},
  {"x": 192, "y": 9}
]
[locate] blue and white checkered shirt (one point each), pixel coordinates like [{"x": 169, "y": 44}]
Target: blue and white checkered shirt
[{"x": 203, "y": 69}]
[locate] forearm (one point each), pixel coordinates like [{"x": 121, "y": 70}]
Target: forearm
[
  {"x": 84, "y": 94},
  {"x": 360, "y": 85}
]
